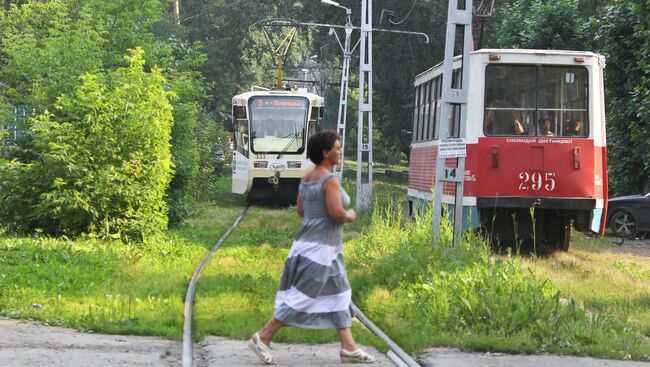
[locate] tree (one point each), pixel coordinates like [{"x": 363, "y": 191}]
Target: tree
[
  {"x": 626, "y": 44},
  {"x": 105, "y": 159},
  {"x": 543, "y": 24}
]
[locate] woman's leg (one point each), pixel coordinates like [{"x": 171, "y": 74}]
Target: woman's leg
[
  {"x": 347, "y": 341},
  {"x": 267, "y": 332}
]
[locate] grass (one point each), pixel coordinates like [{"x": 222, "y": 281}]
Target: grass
[
  {"x": 235, "y": 296},
  {"x": 586, "y": 302},
  {"x": 429, "y": 294},
  {"x": 604, "y": 282},
  {"x": 111, "y": 287}
]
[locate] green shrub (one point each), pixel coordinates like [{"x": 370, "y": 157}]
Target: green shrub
[{"x": 104, "y": 161}]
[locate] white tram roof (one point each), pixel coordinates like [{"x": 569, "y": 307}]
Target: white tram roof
[
  {"x": 522, "y": 56},
  {"x": 315, "y": 99}
]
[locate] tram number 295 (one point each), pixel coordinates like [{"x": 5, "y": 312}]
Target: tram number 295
[{"x": 537, "y": 181}]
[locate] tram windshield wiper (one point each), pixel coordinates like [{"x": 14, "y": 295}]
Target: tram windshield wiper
[{"x": 294, "y": 136}]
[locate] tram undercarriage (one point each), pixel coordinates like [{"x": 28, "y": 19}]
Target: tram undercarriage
[
  {"x": 265, "y": 190},
  {"x": 526, "y": 230}
]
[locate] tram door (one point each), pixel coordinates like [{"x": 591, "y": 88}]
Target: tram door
[{"x": 240, "y": 161}]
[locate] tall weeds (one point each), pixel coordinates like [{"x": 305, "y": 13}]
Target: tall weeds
[{"x": 420, "y": 290}]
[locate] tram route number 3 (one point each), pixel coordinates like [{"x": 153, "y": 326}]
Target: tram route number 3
[{"x": 537, "y": 181}]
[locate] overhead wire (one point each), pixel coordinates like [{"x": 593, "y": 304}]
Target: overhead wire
[{"x": 407, "y": 15}]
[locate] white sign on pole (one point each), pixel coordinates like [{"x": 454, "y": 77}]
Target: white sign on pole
[{"x": 452, "y": 148}]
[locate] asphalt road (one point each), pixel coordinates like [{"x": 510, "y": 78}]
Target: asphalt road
[{"x": 25, "y": 344}]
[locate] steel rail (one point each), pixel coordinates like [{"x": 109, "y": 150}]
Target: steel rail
[
  {"x": 189, "y": 297},
  {"x": 399, "y": 357}
]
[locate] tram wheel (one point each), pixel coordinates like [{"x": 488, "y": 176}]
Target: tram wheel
[{"x": 558, "y": 232}]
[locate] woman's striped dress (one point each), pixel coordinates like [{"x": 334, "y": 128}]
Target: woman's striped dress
[{"x": 314, "y": 290}]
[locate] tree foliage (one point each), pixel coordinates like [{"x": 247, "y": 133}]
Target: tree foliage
[
  {"x": 49, "y": 45},
  {"x": 543, "y": 24},
  {"x": 105, "y": 159},
  {"x": 626, "y": 44}
]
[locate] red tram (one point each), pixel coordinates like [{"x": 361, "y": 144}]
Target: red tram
[{"x": 536, "y": 152}]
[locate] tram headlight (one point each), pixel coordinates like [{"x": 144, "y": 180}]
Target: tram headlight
[
  {"x": 294, "y": 164},
  {"x": 261, "y": 164}
]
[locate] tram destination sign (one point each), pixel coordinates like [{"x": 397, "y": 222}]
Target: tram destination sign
[
  {"x": 452, "y": 148},
  {"x": 280, "y": 102}
]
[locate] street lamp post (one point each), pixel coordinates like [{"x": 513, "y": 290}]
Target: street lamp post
[
  {"x": 345, "y": 77},
  {"x": 364, "y": 190}
]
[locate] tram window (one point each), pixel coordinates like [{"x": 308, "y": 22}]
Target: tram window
[
  {"x": 419, "y": 113},
  {"x": 321, "y": 114},
  {"x": 535, "y": 100},
  {"x": 438, "y": 105},
  {"x": 425, "y": 112},
  {"x": 509, "y": 99},
  {"x": 241, "y": 135},
  {"x": 239, "y": 112},
  {"x": 563, "y": 93},
  {"x": 422, "y": 112},
  {"x": 314, "y": 113},
  {"x": 415, "y": 114},
  {"x": 432, "y": 110}
]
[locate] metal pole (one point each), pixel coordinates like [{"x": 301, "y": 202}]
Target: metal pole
[
  {"x": 364, "y": 190},
  {"x": 343, "y": 99},
  {"x": 456, "y": 16}
]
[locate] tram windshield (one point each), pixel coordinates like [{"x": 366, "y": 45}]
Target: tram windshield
[
  {"x": 277, "y": 124},
  {"x": 536, "y": 100}
]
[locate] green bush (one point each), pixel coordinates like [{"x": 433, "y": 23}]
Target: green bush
[{"x": 104, "y": 161}]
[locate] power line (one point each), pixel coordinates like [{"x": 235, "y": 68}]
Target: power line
[{"x": 390, "y": 20}]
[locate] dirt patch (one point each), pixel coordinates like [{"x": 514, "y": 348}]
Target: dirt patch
[{"x": 638, "y": 246}]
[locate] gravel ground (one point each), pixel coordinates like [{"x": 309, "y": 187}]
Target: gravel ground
[{"x": 639, "y": 247}]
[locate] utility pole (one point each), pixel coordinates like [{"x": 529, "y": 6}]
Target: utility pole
[
  {"x": 459, "y": 16},
  {"x": 364, "y": 190},
  {"x": 345, "y": 78},
  {"x": 177, "y": 11}
]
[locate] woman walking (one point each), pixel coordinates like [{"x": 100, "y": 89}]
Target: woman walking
[{"x": 314, "y": 291}]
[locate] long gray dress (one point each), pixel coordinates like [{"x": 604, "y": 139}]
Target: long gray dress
[{"x": 314, "y": 290}]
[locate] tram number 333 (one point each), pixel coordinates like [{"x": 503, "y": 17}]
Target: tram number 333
[{"x": 537, "y": 181}]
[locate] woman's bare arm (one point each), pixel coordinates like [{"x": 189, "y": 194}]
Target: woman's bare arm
[
  {"x": 334, "y": 202},
  {"x": 301, "y": 210}
]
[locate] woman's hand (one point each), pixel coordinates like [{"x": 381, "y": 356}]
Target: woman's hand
[{"x": 350, "y": 215}]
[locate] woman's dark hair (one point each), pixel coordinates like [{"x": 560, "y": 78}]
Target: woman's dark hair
[{"x": 319, "y": 142}]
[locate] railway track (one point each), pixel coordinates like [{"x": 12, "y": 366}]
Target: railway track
[{"x": 396, "y": 354}]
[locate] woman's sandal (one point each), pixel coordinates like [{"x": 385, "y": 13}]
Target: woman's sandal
[
  {"x": 356, "y": 356},
  {"x": 261, "y": 350}
]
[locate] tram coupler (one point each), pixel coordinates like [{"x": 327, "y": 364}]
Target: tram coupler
[{"x": 275, "y": 181}]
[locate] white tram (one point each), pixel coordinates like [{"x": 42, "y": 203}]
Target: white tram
[
  {"x": 535, "y": 136},
  {"x": 270, "y": 132}
]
